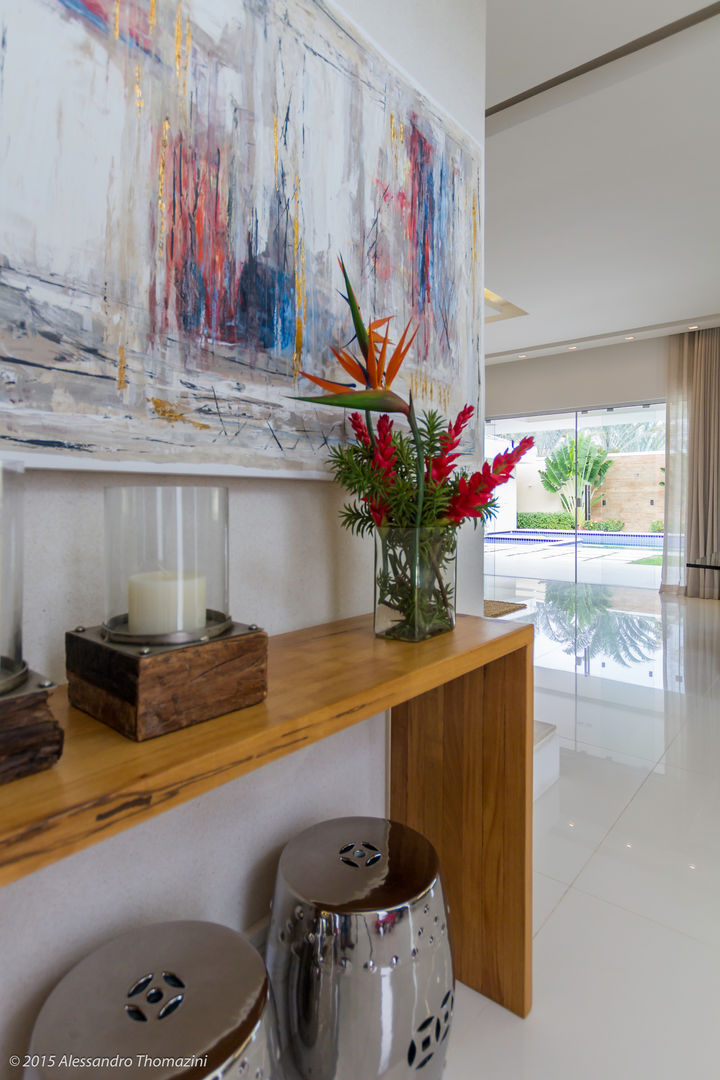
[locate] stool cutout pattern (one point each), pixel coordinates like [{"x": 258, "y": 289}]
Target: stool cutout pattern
[
  {"x": 155, "y": 996},
  {"x": 168, "y": 1001},
  {"x": 359, "y": 855},
  {"x": 433, "y": 1031}
]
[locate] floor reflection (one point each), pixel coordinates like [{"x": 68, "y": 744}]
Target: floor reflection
[
  {"x": 612, "y": 665},
  {"x": 626, "y": 882}
]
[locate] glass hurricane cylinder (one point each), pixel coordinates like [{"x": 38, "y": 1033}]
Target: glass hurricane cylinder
[
  {"x": 166, "y": 564},
  {"x": 13, "y": 670},
  {"x": 415, "y": 571}
]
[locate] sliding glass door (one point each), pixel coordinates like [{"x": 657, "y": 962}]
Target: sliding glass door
[
  {"x": 586, "y": 505},
  {"x": 620, "y": 495}
]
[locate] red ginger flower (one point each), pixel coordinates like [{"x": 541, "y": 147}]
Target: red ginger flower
[
  {"x": 379, "y": 511},
  {"x": 384, "y": 463},
  {"x": 384, "y": 456},
  {"x": 440, "y": 468},
  {"x": 504, "y": 464},
  {"x": 475, "y": 492},
  {"x": 360, "y": 429},
  {"x": 472, "y": 497}
]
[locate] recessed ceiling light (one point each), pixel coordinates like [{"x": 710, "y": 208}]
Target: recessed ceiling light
[
  {"x": 630, "y": 337},
  {"x": 571, "y": 347},
  {"x": 693, "y": 327},
  {"x": 522, "y": 356}
]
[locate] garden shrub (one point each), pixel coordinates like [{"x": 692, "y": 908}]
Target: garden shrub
[
  {"x": 611, "y": 525},
  {"x": 537, "y": 519},
  {"x": 657, "y": 526}
]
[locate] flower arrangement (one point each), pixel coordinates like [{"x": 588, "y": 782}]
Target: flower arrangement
[{"x": 406, "y": 484}]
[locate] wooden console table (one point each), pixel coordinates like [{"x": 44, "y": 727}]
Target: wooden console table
[{"x": 461, "y": 769}]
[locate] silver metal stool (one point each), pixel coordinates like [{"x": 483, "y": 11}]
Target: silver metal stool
[
  {"x": 359, "y": 953},
  {"x": 174, "y": 999}
]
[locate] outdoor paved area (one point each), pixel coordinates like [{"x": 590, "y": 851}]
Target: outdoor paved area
[{"x": 557, "y": 562}]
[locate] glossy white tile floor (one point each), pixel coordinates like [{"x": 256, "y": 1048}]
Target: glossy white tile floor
[{"x": 627, "y": 848}]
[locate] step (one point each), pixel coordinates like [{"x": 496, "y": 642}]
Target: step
[{"x": 546, "y": 763}]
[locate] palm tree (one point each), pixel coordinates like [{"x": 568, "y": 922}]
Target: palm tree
[
  {"x": 579, "y": 617},
  {"x": 577, "y": 464}
]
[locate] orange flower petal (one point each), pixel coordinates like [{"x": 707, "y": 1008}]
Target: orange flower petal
[
  {"x": 351, "y": 365},
  {"x": 335, "y": 387},
  {"x": 371, "y": 361},
  {"x": 381, "y": 357},
  {"x": 401, "y": 350}
]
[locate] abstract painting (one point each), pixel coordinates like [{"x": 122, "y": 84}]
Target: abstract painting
[{"x": 178, "y": 178}]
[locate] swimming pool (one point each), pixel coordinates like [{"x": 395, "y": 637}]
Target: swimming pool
[{"x": 585, "y": 539}]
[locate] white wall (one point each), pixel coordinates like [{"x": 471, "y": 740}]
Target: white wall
[
  {"x": 632, "y": 373},
  {"x": 291, "y": 566},
  {"x": 507, "y": 495},
  {"x": 441, "y": 46}
]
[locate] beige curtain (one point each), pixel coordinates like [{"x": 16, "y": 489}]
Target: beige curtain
[
  {"x": 695, "y": 376},
  {"x": 676, "y": 471}
]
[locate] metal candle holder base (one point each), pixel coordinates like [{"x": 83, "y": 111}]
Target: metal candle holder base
[
  {"x": 116, "y": 629},
  {"x": 12, "y": 674}
]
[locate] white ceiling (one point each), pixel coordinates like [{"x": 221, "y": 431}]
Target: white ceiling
[
  {"x": 603, "y": 194},
  {"x": 530, "y": 41}
]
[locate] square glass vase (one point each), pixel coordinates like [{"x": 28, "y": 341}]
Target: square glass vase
[{"x": 415, "y": 574}]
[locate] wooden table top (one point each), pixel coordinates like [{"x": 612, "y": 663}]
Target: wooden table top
[{"x": 320, "y": 680}]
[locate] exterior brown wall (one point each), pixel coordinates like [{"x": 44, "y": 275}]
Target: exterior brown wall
[{"x": 630, "y": 485}]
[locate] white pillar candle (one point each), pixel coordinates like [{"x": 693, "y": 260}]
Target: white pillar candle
[{"x": 164, "y": 602}]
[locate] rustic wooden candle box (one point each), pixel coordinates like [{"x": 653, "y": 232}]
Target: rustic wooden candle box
[
  {"x": 30, "y": 737},
  {"x": 144, "y": 691}
]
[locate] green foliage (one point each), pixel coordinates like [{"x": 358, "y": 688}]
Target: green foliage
[
  {"x": 616, "y": 438},
  {"x": 414, "y": 581},
  {"x": 540, "y": 520},
  {"x": 611, "y": 525},
  {"x": 657, "y": 526},
  {"x": 575, "y": 464},
  {"x": 352, "y": 466}
]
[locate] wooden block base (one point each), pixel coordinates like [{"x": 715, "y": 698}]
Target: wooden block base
[
  {"x": 30, "y": 737},
  {"x": 145, "y": 692}
]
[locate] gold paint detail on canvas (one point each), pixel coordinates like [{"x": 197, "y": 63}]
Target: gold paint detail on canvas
[
  {"x": 152, "y": 17},
  {"x": 139, "y": 102},
  {"x": 188, "y": 46},
  {"x": 161, "y": 183},
  {"x": 178, "y": 42},
  {"x": 122, "y": 368},
  {"x": 394, "y": 137},
  {"x": 165, "y": 410},
  {"x": 300, "y": 296},
  {"x": 117, "y": 20}
]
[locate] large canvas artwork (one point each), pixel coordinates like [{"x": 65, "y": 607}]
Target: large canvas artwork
[{"x": 177, "y": 179}]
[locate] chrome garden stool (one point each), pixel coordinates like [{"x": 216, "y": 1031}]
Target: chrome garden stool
[
  {"x": 173, "y": 999},
  {"x": 359, "y": 953}
]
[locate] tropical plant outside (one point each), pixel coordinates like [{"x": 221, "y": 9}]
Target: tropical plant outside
[
  {"x": 611, "y": 525},
  {"x": 575, "y": 465},
  {"x": 541, "y": 519},
  {"x": 580, "y": 618}
]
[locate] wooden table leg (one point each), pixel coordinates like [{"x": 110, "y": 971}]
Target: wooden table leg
[{"x": 461, "y": 774}]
